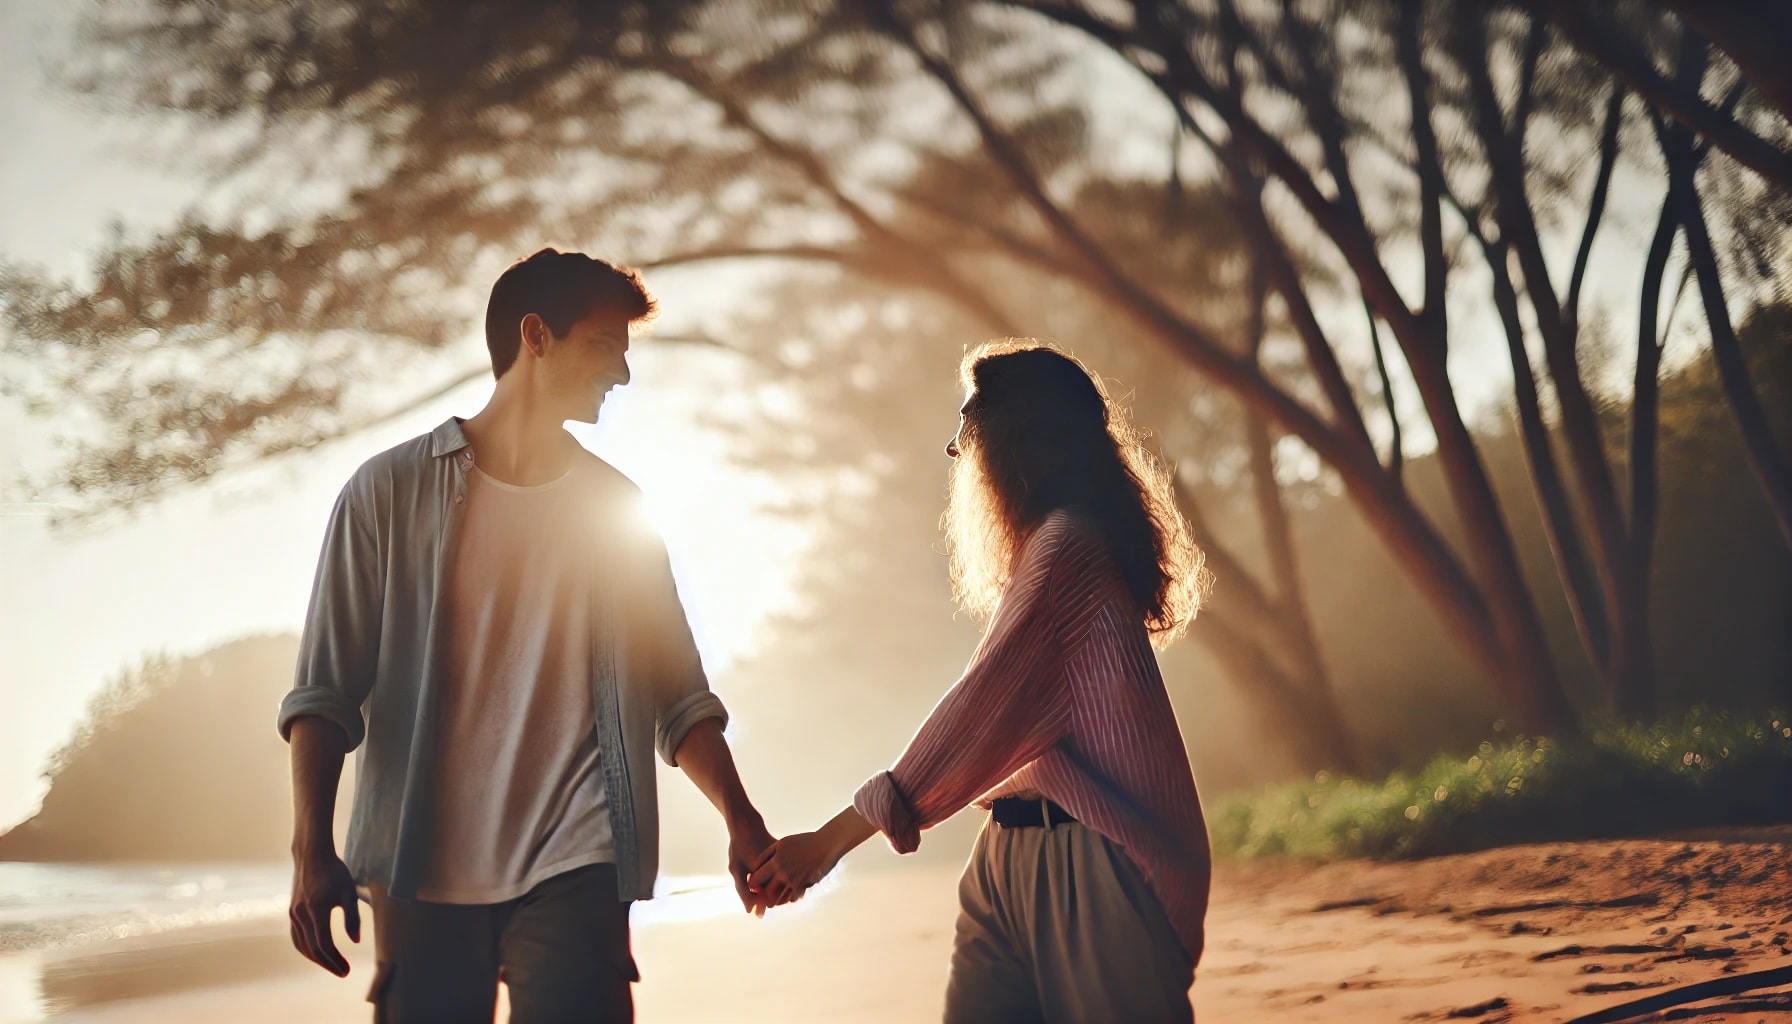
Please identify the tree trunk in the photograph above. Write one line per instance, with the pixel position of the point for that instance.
(1258, 644)
(1301, 645)
(1634, 645)
(1526, 669)
(1313, 727)
(1558, 324)
(1764, 456)
(1585, 600)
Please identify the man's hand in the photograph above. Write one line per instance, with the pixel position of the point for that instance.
(321, 883)
(747, 842)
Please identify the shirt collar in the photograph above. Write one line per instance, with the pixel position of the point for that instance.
(447, 438)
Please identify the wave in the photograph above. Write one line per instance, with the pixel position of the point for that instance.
(86, 929)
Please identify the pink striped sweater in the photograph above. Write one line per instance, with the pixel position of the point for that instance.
(1062, 699)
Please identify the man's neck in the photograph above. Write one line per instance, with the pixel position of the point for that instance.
(518, 445)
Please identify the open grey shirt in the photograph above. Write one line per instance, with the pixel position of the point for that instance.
(374, 650)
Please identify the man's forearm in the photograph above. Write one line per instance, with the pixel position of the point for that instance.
(318, 748)
(706, 759)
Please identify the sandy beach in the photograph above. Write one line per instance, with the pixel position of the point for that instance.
(1536, 933)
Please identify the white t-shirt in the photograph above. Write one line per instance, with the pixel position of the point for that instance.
(520, 794)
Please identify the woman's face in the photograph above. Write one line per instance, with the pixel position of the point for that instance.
(952, 446)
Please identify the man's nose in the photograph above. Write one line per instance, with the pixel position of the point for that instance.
(621, 373)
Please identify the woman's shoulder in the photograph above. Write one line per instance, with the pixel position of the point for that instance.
(1066, 533)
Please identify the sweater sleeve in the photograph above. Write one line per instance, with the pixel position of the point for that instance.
(1010, 706)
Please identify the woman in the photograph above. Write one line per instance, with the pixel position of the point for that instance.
(1084, 897)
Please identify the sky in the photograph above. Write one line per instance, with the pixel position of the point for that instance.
(236, 557)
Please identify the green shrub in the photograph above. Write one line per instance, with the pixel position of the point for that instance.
(1711, 768)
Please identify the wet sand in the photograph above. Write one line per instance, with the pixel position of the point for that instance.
(1536, 933)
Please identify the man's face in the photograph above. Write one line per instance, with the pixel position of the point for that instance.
(579, 368)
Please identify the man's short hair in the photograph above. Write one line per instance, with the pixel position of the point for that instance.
(562, 288)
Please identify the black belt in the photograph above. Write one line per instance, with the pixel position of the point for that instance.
(1016, 812)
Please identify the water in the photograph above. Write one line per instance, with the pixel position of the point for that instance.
(47, 910)
(54, 906)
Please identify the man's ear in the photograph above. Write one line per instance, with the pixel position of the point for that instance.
(535, 334)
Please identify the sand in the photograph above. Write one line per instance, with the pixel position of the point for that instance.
(1534, 933)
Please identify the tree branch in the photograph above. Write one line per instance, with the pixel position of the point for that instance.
(1608, 157)
(1396, 447)
(1431, 174)
(1598, 37)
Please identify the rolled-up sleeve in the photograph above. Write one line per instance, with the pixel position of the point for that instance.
(339, 649)
(674, 668)
(880, 802)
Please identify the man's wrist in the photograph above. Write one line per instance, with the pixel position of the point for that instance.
(310, 847)
(740, 815)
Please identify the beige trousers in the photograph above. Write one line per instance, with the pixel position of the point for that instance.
(1059, 925)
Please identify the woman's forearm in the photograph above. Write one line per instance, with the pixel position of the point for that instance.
(846, 830)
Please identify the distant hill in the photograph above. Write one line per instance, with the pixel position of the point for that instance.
(177, 760)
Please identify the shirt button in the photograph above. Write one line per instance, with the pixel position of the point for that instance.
(458, 498)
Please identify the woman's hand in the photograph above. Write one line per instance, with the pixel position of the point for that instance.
(791, 865)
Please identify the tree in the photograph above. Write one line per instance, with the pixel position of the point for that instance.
(701, 132)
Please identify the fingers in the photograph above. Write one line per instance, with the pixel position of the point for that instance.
(311, 933)
(351, 918)
(299, 941)
(740, 886)
(774, 884)
(767, 852)
(305, 937)
(325, 945)
(769, 867)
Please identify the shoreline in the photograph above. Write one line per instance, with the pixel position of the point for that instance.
(1535, 933)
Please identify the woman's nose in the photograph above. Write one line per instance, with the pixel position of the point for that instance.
(952, 448)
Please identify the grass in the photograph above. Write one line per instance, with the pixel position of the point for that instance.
(1707, 769)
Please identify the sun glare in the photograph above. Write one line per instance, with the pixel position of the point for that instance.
(732, 559)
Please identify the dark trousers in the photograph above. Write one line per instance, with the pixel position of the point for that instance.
(562, 950)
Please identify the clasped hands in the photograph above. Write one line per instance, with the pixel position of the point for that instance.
(782, 870)
(771, 872)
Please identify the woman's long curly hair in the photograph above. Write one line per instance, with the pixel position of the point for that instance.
(1040, 433)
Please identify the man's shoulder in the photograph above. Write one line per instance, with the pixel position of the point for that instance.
(397, 466)
(609, 480)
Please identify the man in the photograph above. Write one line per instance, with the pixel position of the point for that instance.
(506, 649)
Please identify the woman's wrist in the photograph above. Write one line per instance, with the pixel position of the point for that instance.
(847, 830)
